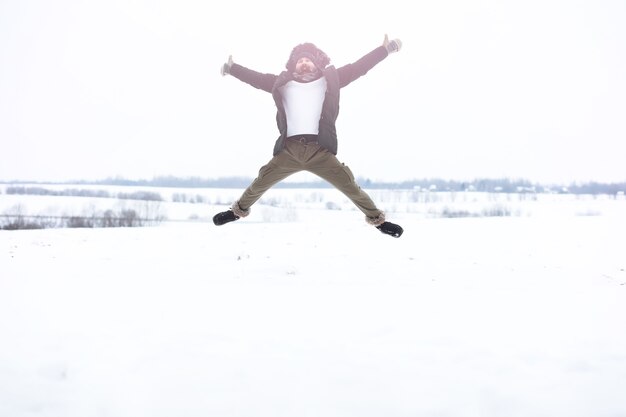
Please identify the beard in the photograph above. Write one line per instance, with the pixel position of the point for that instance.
(307, 73)
(306, 69)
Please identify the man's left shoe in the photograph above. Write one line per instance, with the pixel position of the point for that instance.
(224, 217)
(390, 229)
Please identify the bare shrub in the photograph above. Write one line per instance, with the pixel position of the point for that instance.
(108, 219)
(19, 223)
(15, 219)
(129, 218)
(496, 210)
(79, 222)
(151, 212)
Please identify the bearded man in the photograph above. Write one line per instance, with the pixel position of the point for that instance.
(306, 95)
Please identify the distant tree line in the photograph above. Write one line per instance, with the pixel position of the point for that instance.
(436, 184)
(503, 185)
(597, 188)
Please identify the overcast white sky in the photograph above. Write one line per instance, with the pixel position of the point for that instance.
(519, 89)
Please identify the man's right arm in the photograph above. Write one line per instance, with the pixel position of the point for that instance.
(256, 79)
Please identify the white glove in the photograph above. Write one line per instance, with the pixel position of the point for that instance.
(392, 46)
(226, 67)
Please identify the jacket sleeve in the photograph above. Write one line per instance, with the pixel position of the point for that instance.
(256, 79)
(351, 72)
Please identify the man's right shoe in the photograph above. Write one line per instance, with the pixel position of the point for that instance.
(224, 217)
(390, 229)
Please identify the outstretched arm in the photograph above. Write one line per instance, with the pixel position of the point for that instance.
(256, 79)
(351, 72)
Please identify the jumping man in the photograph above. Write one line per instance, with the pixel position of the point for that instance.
(306, 95)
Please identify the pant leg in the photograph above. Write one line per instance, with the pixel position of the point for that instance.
(277, 169)
(326, 165)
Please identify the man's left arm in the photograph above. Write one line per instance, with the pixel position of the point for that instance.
(351, 72)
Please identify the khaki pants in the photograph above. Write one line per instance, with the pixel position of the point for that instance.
(298, 156)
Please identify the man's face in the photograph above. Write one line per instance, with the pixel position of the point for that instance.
(304, 65)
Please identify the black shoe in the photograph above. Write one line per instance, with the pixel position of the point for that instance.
(224, 217)
(390, 229)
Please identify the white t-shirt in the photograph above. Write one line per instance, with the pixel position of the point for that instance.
(303, 106)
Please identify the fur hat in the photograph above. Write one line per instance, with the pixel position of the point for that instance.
(319, 58)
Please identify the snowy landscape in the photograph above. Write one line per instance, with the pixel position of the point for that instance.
(492, 136)
(488, 305)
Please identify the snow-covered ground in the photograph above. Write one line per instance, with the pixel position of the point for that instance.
(303, 311)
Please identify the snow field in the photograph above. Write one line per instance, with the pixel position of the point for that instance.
(318, 314)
